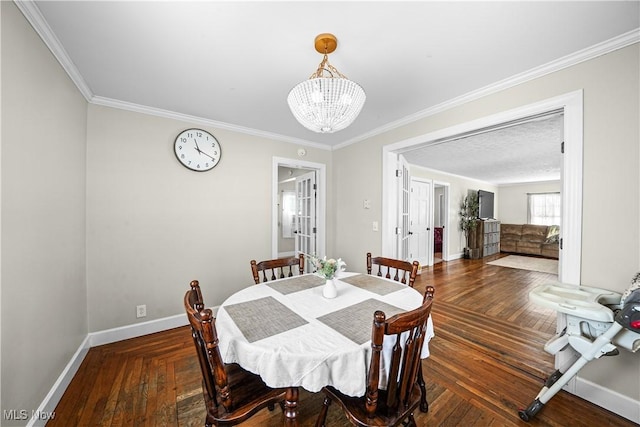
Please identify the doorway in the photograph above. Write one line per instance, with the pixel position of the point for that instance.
(571, 106)
(428, 221)
(298, 207)
(440, 221)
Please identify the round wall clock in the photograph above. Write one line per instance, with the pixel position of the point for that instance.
(197, 150)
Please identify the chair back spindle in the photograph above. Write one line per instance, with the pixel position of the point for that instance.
(403, 271)
(277, 268)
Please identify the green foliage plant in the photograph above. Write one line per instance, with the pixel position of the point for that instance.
(469, 215)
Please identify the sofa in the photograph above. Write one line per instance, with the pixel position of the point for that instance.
(530, 239)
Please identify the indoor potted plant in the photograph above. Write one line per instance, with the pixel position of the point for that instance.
(468, 222)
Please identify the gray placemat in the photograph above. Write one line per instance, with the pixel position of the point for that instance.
(355, 322)
(296, 283)
(262, 318)
(373, 284)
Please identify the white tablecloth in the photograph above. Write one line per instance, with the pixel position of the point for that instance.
(313, 354)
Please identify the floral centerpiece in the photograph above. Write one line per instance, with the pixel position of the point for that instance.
(327, 268)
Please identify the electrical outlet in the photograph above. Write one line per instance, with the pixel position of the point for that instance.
(375, 226)
(141, 310)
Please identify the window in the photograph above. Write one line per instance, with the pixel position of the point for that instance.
(288, 213)
(544, 208)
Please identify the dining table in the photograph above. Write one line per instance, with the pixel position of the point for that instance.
(287, 332)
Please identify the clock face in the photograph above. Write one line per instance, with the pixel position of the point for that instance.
(197, 150)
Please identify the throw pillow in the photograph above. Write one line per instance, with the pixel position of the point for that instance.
(553, 234)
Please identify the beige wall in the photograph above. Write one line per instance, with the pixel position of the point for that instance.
(153, 225)
(513, 203)
(356, 177)
(610, 184)
(44, 301)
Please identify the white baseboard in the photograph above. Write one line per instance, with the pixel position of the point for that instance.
(52, 398)
(608, 399)
(94, 339)
(136, 330)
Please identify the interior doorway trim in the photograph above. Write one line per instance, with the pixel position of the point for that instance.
(321, 202)
(572, 106)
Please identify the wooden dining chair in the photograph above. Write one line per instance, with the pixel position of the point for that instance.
(276, 268)
(388, 265)
(232, 395)
(402, 269)
(402, 396)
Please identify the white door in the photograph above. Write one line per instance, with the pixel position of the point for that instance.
(420, 227)
(402, 229)
(305, 233)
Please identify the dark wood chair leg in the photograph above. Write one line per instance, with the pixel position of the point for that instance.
(322, 416)
(424, 405)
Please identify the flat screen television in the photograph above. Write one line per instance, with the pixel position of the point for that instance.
(485, 201)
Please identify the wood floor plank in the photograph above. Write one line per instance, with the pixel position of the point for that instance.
(146, 419)
(487, 361)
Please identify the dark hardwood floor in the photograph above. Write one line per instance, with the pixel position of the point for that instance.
(487, 360)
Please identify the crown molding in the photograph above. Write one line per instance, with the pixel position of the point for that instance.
(129, 106)
(30, 11)
(575, 58)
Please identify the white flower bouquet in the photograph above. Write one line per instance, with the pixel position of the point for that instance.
(327, 268)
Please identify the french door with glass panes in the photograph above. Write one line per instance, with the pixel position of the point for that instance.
(402, 230)
(305, 233)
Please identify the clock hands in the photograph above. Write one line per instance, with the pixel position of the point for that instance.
(212, 158)
(197, 148)
(202, 152)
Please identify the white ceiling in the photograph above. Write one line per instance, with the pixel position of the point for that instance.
(231, 64)
(529, 151)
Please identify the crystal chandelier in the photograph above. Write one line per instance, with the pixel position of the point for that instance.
(327, 102)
